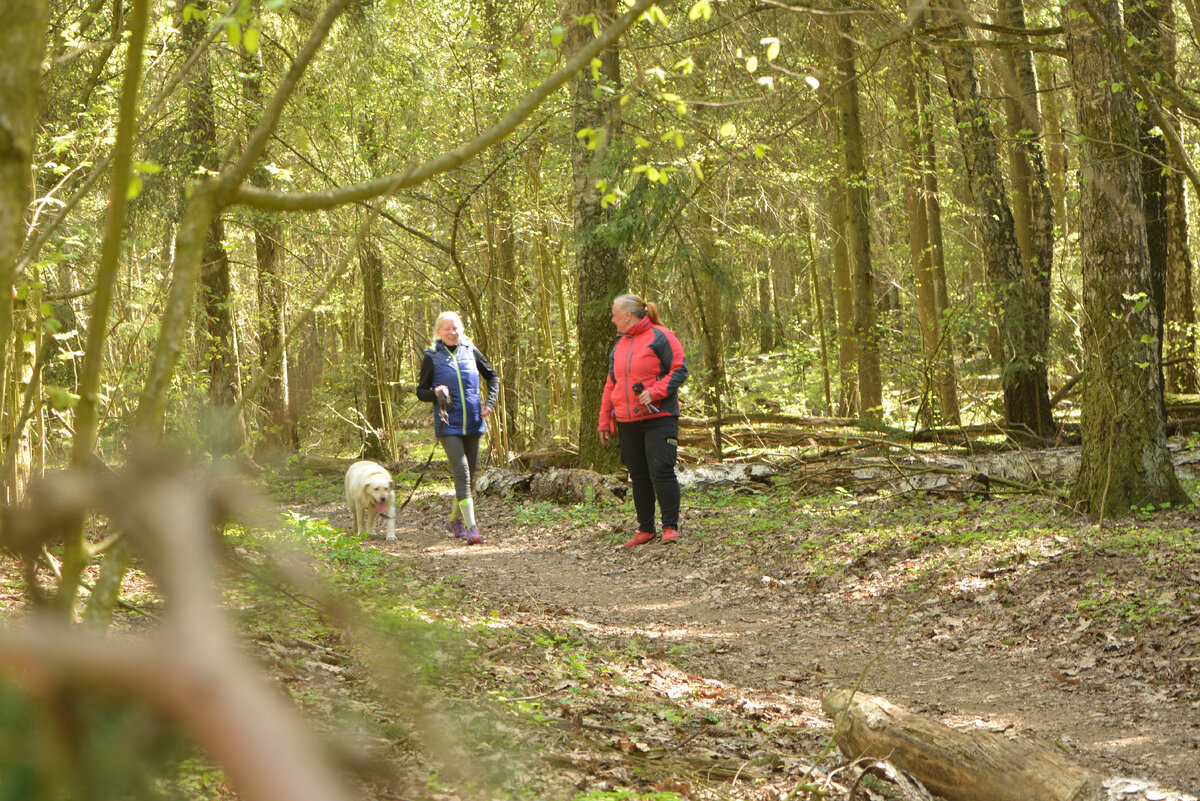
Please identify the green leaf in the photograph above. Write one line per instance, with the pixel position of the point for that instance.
(728, 130)
(233, 32)
(752, 64)
(1148, 339)
(701, 9)
(60, 398)
(772, 47)
(760, 151)
(685, 66)
(641, 141)
(250, 41)
(135, 187)
(148, 167)
(556, 36)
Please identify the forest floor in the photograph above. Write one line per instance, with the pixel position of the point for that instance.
(675, 668)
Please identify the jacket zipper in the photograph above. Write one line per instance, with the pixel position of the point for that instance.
(462, 393)
(634, 409)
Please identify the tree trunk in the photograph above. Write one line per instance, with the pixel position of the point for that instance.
(1016, 291)
(947, 374)
(766, 321)
(600, 264)
(844, 295)
(376, 441)
(23, 39)
(275, 435)
(1125, 461)
(956, 765)
(1143, 19)
(226, 427)
(1056, 141)
(818, 307)
(1154, 25)
(1037, 253)
(1179, 346)
(506, 293)
(920, 252)
(870, 382)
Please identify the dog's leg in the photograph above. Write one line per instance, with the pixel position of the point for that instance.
(391, 518)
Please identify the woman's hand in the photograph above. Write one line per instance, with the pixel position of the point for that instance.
(442, 389)
(485, 412)
(645, 398)
(605, 436)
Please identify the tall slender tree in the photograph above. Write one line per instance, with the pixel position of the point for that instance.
(22, 37)
(1018, 288)
(227, 430)
(858, 215)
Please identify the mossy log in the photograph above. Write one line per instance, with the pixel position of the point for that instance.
(957, 765)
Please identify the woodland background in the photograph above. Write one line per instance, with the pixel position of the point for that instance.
(228, 229)
(900, 203)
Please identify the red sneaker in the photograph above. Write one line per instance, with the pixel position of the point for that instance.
(670, 534)
(641, 538)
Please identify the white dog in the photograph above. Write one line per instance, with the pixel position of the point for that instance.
(370, 493)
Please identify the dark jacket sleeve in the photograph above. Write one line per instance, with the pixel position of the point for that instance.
(673, 365)
(489, 374)
(425, 383)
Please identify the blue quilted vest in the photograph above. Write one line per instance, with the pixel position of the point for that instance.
(458, 372)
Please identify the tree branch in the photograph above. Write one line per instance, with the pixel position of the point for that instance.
(416, 174)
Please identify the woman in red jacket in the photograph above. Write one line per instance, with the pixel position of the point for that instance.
(645, 370)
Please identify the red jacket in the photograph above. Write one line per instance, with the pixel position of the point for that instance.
(652, 355)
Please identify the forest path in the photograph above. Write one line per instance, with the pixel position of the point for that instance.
(996, 648)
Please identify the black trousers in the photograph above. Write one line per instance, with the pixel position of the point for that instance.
(648, 448)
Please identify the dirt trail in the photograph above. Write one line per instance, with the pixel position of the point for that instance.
(991, 654)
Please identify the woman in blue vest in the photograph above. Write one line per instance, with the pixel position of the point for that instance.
(450, 376)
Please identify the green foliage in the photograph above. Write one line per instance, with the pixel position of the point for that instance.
(113, 751)
(623, 794)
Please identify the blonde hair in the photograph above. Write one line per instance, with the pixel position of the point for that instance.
(640, 308)
(458, 323)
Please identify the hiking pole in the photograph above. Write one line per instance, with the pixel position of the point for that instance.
(639, 388)
(420, 478)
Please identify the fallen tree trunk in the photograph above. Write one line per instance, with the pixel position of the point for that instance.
(957, 765)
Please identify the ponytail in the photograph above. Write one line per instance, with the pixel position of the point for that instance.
(639, 307)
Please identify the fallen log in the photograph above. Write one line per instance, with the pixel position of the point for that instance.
(556, 484)
(956, 765)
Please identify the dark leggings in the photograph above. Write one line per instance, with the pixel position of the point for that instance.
(648, 449)
(463, 454)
